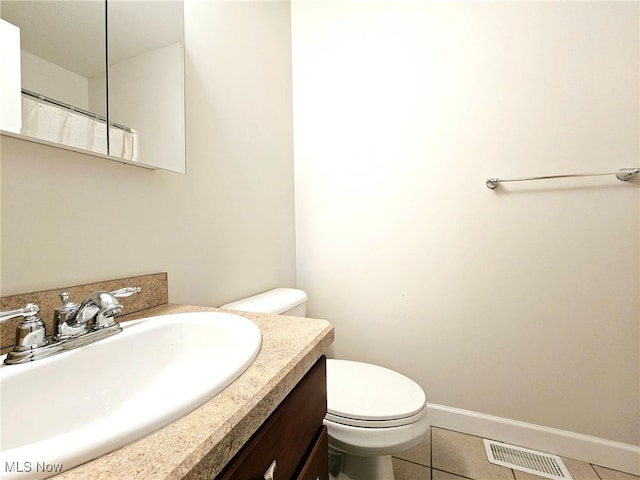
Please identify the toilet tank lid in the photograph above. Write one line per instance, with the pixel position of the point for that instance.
(274, 301)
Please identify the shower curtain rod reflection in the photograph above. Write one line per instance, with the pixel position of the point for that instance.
(623, 174)
(44, 98)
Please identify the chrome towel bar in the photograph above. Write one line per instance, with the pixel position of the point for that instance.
(623, 174)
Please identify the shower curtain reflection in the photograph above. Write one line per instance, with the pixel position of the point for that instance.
(50, 121)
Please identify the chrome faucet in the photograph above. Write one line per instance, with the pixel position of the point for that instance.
(96, 312)
(75, 325)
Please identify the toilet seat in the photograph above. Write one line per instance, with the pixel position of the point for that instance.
(365, 395)
(355, 422)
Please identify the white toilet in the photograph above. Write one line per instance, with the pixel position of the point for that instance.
(372, 412)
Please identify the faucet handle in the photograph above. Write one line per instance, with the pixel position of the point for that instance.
(30, 332)
(125, 292)
(29, 312)
(110, 307)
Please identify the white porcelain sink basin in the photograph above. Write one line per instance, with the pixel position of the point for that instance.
(70, 408)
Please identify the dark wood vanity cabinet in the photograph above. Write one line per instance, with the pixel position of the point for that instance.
(292, 443)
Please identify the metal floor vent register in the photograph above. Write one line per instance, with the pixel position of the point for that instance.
(525, 460)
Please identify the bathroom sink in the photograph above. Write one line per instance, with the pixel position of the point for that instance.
(70, 408)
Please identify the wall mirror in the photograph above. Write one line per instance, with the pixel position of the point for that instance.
(84, 63)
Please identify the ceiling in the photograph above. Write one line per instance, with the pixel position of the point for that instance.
(71, 33)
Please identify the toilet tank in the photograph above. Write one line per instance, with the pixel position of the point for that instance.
(279, 301)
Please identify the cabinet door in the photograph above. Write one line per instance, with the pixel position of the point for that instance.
(281, 444)
(317, 465)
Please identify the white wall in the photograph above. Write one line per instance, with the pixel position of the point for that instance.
(521, 302)
(223, 230)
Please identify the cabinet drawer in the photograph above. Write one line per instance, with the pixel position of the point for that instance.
(317, 465)
(287, 434)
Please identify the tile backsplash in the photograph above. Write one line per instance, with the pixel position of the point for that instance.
(154, 292)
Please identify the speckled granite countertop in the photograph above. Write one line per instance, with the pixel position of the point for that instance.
(201, 443)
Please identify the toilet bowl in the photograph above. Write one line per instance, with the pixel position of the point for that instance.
(372, 412)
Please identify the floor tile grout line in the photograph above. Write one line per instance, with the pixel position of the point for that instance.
(451, 473)
(593, 465)
(411, 462)
(431, 449)
(595, 471)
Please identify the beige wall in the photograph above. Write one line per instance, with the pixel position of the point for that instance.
(521, 302)
(223, 230)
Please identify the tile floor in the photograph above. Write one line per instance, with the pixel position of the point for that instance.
(448, 455)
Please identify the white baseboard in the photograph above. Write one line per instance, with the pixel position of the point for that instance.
(598, 451)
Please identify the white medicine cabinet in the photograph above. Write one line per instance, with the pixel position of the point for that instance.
(72, 67)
